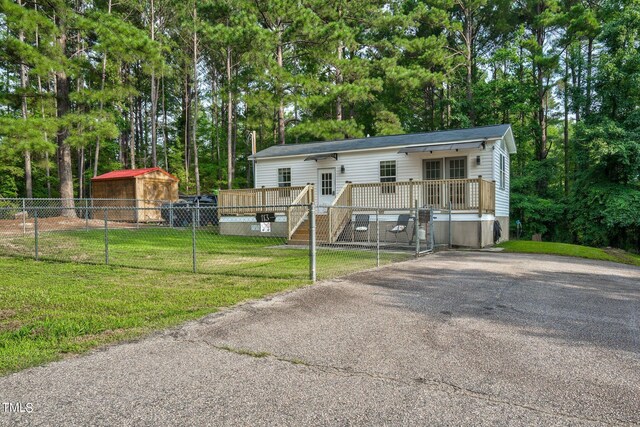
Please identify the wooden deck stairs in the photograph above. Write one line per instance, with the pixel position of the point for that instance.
(301, 235)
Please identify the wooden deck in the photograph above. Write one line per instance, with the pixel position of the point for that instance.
(475, 195)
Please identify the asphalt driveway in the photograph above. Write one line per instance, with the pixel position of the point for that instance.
(460, 338)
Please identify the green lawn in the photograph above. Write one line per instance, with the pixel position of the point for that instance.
(50, 308)
(531, 247)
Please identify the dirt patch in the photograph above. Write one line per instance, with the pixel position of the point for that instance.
(99, 337)
(7, 313)
(16, 227)
(622, 256)
(11, 326)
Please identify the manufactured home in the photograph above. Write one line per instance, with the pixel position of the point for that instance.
(464, 172)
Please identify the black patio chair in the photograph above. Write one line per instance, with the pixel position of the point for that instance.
(401, 226)
(361, 225)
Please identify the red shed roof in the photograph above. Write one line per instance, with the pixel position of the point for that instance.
(129, 173)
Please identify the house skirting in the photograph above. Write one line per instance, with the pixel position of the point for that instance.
(248, 226)
(504, 223)
(468, 230)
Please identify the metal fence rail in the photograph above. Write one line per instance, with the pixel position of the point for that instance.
(214, 240)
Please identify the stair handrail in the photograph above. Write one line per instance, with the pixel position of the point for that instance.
(298, 212)
(337, 219)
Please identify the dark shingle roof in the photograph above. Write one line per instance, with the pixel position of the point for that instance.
(478, 133)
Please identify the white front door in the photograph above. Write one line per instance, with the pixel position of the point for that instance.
(326, 186)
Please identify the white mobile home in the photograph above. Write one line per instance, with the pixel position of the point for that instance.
(465, 170)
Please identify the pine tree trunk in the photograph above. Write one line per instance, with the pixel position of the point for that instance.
(132, 134)
(339, 81)
(81, 172)
(587, 109)
(46, 138)
(65, 171)
(48, 172)
(566, 123)
(164, 127)
(187, 112)
(195, 101)
(468, 31)
(215, 140)
(280, 92)
(102, 81)
(230, 145)
(154, 98)
(28, 181)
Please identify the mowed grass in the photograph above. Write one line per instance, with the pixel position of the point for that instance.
(551, 248)
(172, 250)
(49, 309)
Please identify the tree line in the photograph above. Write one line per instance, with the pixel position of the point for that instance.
(89, 86)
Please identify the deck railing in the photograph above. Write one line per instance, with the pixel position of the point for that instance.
(339, 217)
(234, 201)
(475, 194)
(298, 213)
(466, 195)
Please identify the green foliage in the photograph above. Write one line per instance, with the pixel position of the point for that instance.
(347, 69)
(8, 186)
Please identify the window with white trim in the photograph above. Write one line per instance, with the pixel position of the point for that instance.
(503, 171)
(284, 177)
(432, 169)
(388, 174)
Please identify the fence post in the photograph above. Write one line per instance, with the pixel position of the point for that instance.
(377, 237)
(86, 214)
(450, 237)
(416, 230)
(137, 214)
(431, 231)
(106, 238)
(312, 243)
(24, 219)
(171, 214)
(193, 237)
(35, 230)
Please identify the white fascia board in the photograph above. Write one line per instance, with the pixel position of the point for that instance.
(382, 148)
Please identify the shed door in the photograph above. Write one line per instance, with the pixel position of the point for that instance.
(326, 186)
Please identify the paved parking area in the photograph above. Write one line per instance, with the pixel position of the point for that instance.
(456, 338)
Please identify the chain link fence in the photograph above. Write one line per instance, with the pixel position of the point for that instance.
(292, 241)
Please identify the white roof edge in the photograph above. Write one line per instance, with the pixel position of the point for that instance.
(510, 140)
(495, 138)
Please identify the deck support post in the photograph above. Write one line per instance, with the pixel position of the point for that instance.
(411, 191)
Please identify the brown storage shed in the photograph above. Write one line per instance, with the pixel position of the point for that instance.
(136, 189)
